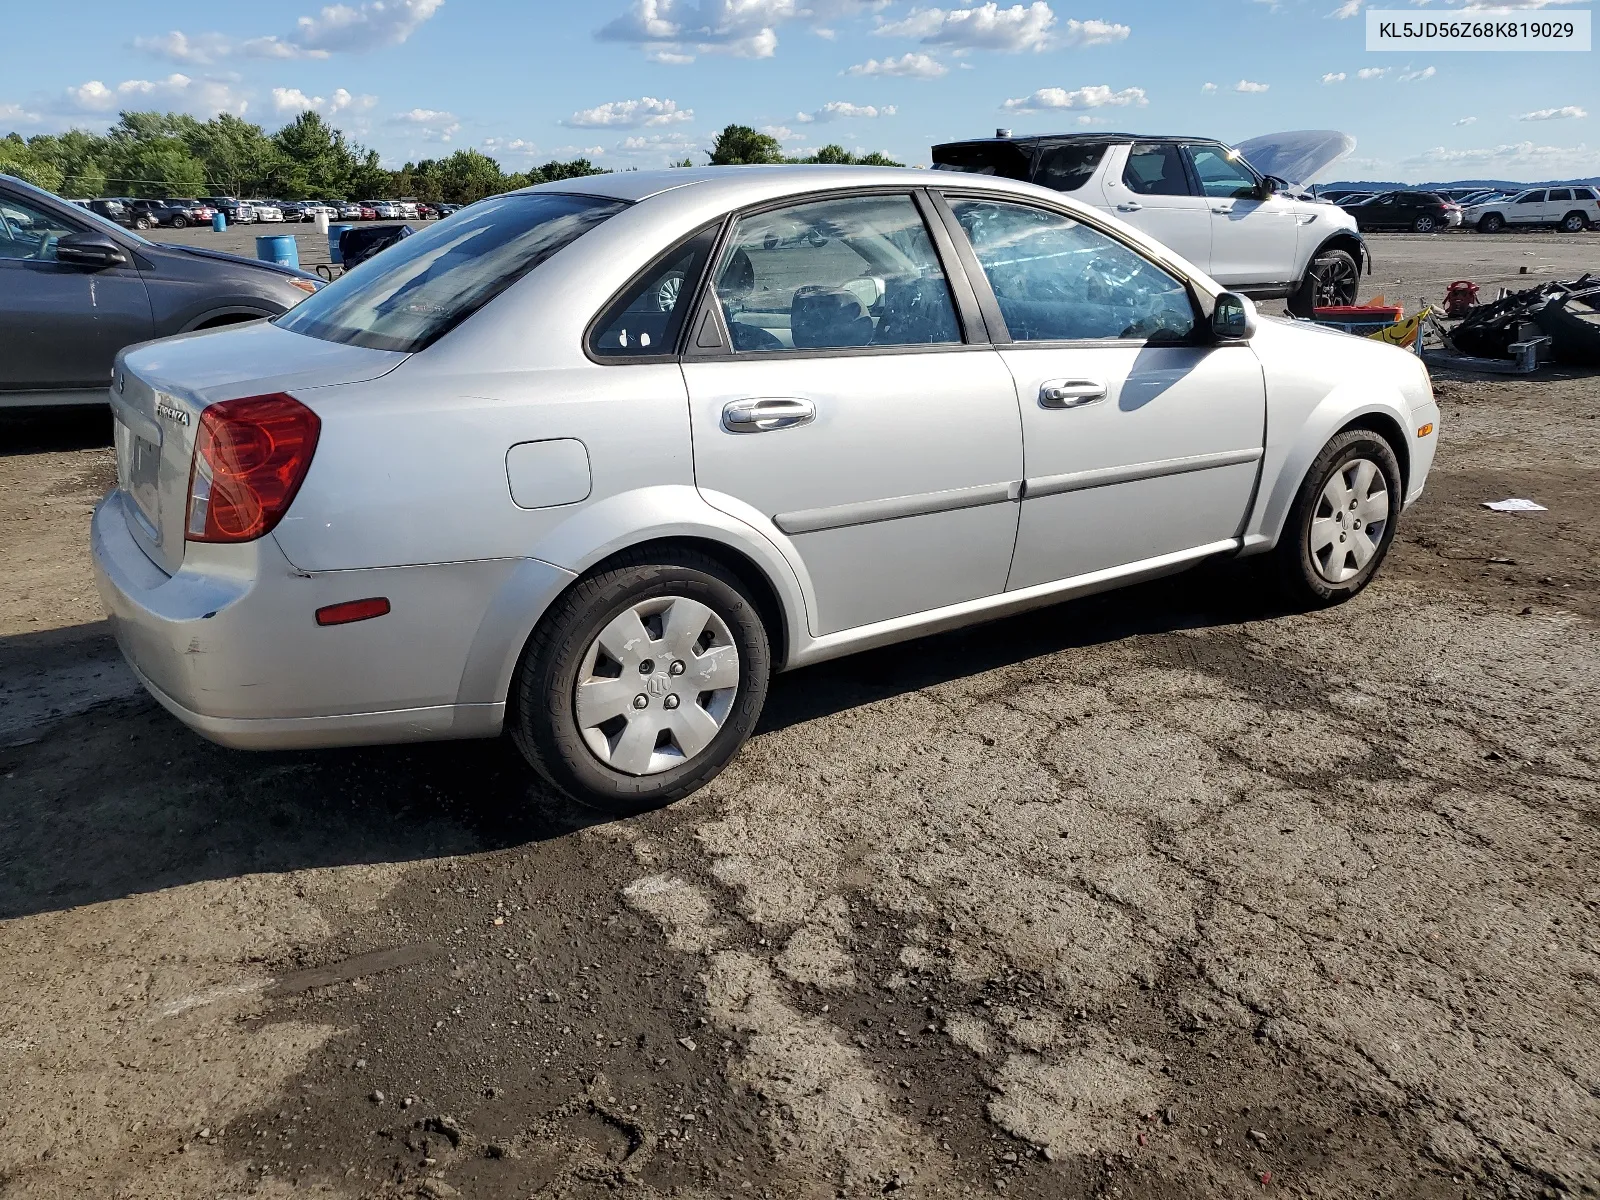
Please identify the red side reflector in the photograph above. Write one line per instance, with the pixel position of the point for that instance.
(353, 610)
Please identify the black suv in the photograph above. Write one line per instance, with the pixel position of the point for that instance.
(1420, 212)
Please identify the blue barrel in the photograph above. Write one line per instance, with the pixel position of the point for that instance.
(219, 222)
(278, 248)
(335, 232)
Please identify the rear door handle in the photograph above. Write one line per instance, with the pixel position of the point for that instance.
(1129, 206)
(1070, 393)
(761, 414)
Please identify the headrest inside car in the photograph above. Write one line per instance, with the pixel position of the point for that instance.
(828, 316)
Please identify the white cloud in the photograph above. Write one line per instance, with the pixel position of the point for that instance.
(176, 46)
(843, 110)
(338, 28)
(674, 31)
(1466, 121)
(1334, 77)
(1350, 8)
(1372, 72)
(985, 27)
(911, 66)
(629, 114)
(293, 100)
(1511, 159)
(675, 144)
(1207, 88)
(1413, 76)
(202, 97)
(503, 146)
(1094, 33)
(1094, 96)
(1246, 85)
(782, 132)
(435, 125)
(1568, 112)
(17, 114)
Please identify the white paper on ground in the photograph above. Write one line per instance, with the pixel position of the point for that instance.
(1514, 506)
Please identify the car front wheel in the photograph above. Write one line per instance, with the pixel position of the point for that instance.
(642, 682)
(1342, 522)
(1331, 279)
(1491, 223)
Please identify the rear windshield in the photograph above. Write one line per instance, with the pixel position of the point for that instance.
(1006, 159)
(410, 295)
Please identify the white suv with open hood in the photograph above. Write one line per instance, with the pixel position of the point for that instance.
(1200, 198)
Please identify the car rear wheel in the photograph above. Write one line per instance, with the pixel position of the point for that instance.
(1491, 223)
(1574, 222)
(141, 222)
(1331, 279)
(1425, 223)
(642, 682)
(1342, 522)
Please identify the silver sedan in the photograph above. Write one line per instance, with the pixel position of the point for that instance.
(589, 462)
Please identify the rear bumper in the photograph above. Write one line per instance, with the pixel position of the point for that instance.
(230, 644)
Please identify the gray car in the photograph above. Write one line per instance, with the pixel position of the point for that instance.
(589, 462)
(75, 289)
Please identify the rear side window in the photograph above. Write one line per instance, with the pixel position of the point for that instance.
(834, 274)
(1561, 194)
(1155, 169)
(1005, 159)
(419, 289)
(1068, 168)
(646, 318)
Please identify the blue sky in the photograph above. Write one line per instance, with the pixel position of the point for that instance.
(641, 82)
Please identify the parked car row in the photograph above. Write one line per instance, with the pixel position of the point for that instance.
(144, 213)
(1571, 209)
(1420, 212)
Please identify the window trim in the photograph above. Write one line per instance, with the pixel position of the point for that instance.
(1195, 192)
(1199, 336)
(974, 337)
(675, 352)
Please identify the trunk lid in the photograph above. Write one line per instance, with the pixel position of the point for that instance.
(159, 389)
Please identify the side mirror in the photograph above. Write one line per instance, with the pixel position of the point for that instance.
(92, 250)
(1233, 319)
(1271, 185)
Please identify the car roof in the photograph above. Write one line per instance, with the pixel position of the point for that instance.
(1088, 138)
(751, 184)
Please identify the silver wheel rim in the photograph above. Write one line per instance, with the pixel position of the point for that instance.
(667, 292)
(656, 685)
(1350, 519)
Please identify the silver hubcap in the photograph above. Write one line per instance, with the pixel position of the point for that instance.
(1352, 513)
(656, 685)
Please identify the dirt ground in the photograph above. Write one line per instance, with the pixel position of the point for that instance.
(1160, 894)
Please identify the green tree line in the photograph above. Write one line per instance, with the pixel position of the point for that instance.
(173, 154)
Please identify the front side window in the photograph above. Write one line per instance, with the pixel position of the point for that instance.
(646, 318)
(420, 288)
(29, 232)
(1223, 174)
(1067, 168)
(833, 274)
(1155, 169)
(1531, 198)
(1057, 279)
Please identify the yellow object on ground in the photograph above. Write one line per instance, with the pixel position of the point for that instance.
(1401, 333)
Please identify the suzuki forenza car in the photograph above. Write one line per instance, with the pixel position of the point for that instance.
(589, 462)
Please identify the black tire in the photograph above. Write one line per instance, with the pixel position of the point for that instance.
(1298, 577)
(1574, 222)
(1332, 278)
(141, 222)
(180, 222)
(543, 721)
(1425, 223)
(1491, 223)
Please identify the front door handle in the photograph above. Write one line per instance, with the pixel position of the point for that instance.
(1070, 393)
(1222, 208)
(761, 414)
(1129, 206)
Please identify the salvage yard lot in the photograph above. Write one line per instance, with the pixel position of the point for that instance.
(1163, 893)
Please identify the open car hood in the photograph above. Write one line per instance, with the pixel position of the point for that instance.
(1298, 155)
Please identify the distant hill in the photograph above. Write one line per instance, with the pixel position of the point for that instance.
(1504, 185)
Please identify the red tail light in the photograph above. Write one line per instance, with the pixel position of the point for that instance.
(250, 457)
